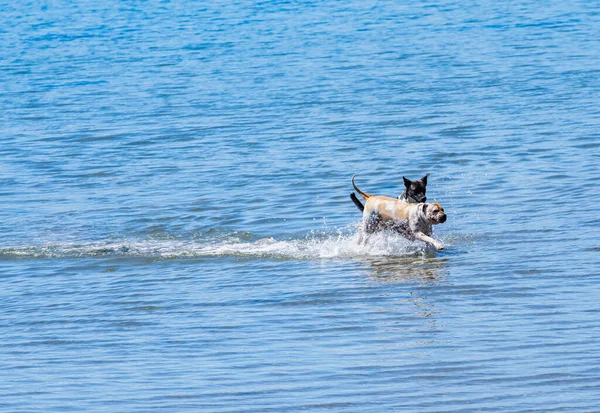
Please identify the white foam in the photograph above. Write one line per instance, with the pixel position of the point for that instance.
(332, 246)
(313, 246)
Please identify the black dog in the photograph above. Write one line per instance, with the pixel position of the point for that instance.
(413, 194)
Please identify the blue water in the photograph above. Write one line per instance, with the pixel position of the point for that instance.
(176, 231)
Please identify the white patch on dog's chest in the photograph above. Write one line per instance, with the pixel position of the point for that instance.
(426, 225)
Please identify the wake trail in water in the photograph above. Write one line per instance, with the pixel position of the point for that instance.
(314, 246)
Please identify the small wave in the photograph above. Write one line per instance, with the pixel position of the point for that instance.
(313, 246)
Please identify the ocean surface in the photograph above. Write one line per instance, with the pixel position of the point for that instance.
(176, 233)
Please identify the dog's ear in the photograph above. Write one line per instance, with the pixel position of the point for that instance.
(407, 182)
(424, 179)
(424, 206)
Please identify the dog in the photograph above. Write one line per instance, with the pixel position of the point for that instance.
(413, 221)
(414, 192)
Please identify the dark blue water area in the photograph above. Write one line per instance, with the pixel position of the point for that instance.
(176, 228)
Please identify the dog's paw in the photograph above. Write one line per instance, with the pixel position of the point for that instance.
(438, 246)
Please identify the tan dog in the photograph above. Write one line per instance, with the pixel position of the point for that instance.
(413, 221)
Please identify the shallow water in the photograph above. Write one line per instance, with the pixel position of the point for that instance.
(177, 233)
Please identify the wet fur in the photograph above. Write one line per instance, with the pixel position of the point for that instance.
(411, 220)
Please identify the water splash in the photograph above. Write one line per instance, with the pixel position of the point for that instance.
(313, 246)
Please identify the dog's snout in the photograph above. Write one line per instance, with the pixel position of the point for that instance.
(424, 199)
(443, 218)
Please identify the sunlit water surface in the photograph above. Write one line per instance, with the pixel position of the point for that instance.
(177, 234)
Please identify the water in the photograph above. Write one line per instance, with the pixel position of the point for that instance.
(177, 234)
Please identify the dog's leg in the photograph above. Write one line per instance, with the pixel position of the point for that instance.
(427, 239)
(370, 225)
(363, 239)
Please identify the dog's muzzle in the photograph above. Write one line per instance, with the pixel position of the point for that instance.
(442, 219)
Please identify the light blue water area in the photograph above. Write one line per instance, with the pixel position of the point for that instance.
(176, 228)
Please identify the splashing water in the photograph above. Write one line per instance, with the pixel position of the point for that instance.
(313, 246)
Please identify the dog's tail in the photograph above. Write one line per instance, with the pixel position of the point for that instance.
(357, 202)
(361, 193)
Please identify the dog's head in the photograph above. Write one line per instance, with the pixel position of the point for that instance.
(435, 213)
(415, 190)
